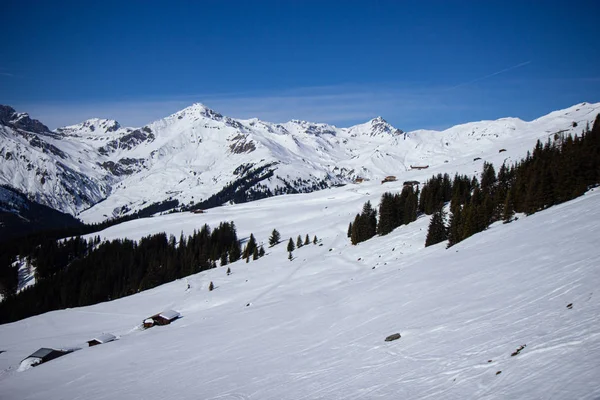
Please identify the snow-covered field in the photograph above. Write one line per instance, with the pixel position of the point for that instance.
(314, 327)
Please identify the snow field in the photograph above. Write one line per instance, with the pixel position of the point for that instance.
(315, 326)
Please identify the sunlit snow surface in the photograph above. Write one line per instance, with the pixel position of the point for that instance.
(315, 326)
(194, 153)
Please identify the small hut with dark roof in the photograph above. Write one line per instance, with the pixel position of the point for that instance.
(44, 355)
(101, 339)
(164, 318)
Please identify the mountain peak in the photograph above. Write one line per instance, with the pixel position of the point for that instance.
(9, 117)
(198, 109)
(378, 120)
(375, 127)
(92, 126)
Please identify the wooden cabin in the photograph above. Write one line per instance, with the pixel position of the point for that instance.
(389, 178)
(101, 339)
(419, 166)
(359, 180)
(44, 355)
(164, 318)
(198, 211)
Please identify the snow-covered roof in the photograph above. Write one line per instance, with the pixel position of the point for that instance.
(104, 338)
(41, 353)
(169, 314)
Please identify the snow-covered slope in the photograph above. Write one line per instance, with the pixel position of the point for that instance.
(98, 169)
(52, 171)
(315, 326)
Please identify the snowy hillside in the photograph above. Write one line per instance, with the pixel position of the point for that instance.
(98, 169)
(51, 171)
(314, 327)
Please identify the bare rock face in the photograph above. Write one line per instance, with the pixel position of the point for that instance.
(9, 117)
(128, 141)
(393, 337)
(241, 144)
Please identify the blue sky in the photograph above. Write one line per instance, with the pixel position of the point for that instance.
(429, 64)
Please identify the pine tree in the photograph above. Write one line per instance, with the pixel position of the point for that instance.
(488, 177)
(437, 231)
(234, 252)
(299, 242)
(250, 247)
(211, 287)
(487, 211)
(255, 254)
(275, 238)
(455, 228)
(410, 205)
(350, 229)
(354, 235)
(290, 256)
(387, 214)
(223, 259)
(315, 240)
(261, 251)
(290, 246)
(368, 222)
(228, 271)
(306, 240)
(509, 210)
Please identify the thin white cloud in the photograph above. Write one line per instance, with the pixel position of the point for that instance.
(6, 74)
(342, 105)
(491, 75)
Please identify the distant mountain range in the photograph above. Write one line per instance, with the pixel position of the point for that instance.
(98, 170)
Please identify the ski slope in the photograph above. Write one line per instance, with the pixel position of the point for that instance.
(314, 327)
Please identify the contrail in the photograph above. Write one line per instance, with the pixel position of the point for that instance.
(490, 75)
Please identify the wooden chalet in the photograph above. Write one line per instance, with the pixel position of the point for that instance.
(101, 339)
(164, 318)
(419, 166)
(198, 211)
(390, 178)
(44, 355)
(359, 180)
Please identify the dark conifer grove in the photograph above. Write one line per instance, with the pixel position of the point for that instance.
(78, 272)
(559, 170)
(437, 232)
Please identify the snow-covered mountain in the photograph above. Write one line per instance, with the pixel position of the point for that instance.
(98, 170)
(314, 327)
(50, 169)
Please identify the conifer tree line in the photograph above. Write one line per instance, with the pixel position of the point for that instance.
(78, 272)
(394, 210)
(560, 170)
(438, 191)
